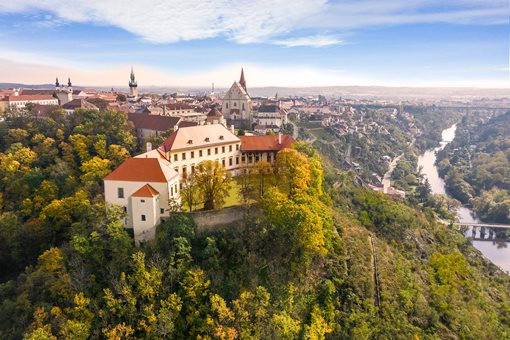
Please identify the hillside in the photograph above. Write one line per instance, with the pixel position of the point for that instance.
(327, 259)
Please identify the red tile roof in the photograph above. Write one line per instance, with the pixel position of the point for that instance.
(139, 170)
(29, 97)
(146, 191)
(153, 122)
(265, 143)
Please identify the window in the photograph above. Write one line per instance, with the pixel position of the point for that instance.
(125, 209)
(199, 153)
(184, 155)
(243, 106)
(193, 168)
(161, 210)
(176, 169)
(143, 201)
(242, 159)
(235, 104)
(237, 160)
(176, 157)
(230, 161)
(192, 154)
(223, 162)
(222, 149)
(221, 138)
(237, 147)
(120, 192)
(143, 217)
(190, 141)
(184, 171)
(257, 158)
(227, 106)
(230, 148)
(250, 158)
(171, 191)
(208, 152)
(207, 139)
(269, 157)
(215, 151)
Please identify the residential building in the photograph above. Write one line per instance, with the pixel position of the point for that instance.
(75, 104)
(19, 102)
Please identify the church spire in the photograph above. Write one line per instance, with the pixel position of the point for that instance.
(69, 82)
(242, 81)
(57, 84)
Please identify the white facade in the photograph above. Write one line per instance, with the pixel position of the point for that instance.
(237, 103)
(145, 207)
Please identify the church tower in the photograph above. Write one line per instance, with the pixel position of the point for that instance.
(237, 104)
(57, 84)
(133, 86)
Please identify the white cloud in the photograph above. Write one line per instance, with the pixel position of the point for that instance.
(169, 21)
(248, 21)
(311, 41)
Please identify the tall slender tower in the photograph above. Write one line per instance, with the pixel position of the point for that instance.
(133, 85)
(57, 84)
(242, 81)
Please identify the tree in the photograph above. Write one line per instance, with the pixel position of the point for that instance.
(292, 171)
(190, 194)
(214, 182)
(263, 175)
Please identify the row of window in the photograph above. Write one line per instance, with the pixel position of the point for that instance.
(201, 152)
(235, 105)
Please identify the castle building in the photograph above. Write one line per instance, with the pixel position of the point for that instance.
(146, 185)
(237, 104)
(133, 86)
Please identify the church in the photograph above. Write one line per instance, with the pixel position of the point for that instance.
(237, 105)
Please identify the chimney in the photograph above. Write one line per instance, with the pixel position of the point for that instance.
(232, 128)
(279, 138)
(149, 146)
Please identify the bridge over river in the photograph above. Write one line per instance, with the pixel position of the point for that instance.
(486, 231)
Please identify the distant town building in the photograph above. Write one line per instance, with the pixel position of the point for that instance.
(269, 116)
(74, 104)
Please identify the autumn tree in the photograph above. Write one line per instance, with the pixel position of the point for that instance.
(213, 182)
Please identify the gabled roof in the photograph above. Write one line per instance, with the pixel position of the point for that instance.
(142, 170)
(198, 136)
(33, 92)
(214, 113)
(153, 122)
(266, 143)
(146, 191)
(79, 103)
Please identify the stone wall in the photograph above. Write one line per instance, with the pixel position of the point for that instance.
(231, 217)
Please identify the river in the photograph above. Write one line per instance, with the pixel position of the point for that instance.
(497, 252)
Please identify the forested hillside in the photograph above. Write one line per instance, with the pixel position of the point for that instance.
(476, 166)
(327, 259)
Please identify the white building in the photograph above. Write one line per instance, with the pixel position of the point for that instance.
(145, 189)
(188, 146)
(269, 116)
(19, 102)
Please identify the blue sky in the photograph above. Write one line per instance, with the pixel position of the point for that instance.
(278, 42)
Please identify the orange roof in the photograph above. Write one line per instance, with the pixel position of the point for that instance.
(142, 170)
(265, 143)
(146, 191)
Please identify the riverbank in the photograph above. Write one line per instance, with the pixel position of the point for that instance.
(497, 252)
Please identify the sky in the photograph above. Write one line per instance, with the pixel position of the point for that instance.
(193, 43)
